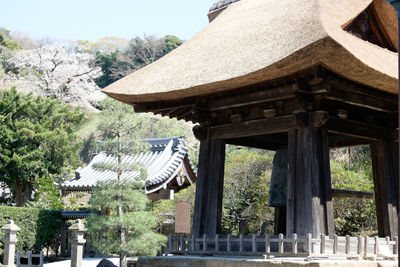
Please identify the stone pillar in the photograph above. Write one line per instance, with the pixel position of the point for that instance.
(309, 193)
(77, 242)
(384, 157)
(209, 188)
(10, 239)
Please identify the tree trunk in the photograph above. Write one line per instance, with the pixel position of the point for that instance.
(122, 256)
(122, 260)
(23, 193)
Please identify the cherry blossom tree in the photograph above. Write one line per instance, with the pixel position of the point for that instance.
(55, 71)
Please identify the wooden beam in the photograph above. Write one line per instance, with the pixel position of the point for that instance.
(253, 128)
(337, 141)
(270, 95)
(361, 100)
(357, 129)
(367, 92)
(266, 126)
(341, 193)
(249, 142)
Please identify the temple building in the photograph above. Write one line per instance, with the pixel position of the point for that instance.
(167, 162)
(297, 75)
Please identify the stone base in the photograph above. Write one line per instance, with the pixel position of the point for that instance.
(193, 261)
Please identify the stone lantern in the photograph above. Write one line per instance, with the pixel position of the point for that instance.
(77, 241)
(10, 239)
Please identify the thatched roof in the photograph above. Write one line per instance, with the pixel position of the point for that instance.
(260, 40)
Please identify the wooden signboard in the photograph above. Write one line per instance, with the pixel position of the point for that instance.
(182, 217)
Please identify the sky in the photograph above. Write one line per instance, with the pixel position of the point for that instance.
(93, 19)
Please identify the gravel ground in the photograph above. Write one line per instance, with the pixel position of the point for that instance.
(87, 262)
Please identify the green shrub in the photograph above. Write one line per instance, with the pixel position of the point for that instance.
(39, 228)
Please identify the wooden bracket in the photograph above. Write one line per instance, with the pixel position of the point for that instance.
(200, 132)
(269, 113)
(236, 118)
(319, 118)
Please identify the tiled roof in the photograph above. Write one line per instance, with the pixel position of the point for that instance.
(163, 162)
(222, 3)
(77, 214)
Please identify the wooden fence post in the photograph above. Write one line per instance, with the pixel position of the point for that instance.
(29, 258)
(217, 242)
(309, 244)
(204, 242)
(193, 243)
(294, 243)
(241, 243)
(41, 258)
(376, 245)
(229, 243)
(335, 244)
(359, 245)
(182, 242)
(267, 244)
(322, 245)
(347, 248)
(254, 243)
(170, 242)
(18, 258)
(281, 243)
(366, 244)
(396, 245)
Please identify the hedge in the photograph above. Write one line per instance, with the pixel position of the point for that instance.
(39, 228)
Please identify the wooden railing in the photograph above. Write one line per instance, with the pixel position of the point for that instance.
(293, 246)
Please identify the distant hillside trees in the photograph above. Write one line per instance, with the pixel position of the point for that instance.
(36, 141)
(105, 45)
(6, 42)
(140, 52)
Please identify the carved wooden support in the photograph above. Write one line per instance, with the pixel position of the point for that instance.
(200, 132)
(318, 118)
(236, 118)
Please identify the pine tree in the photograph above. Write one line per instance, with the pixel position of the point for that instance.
(126, 227)
(126, 224)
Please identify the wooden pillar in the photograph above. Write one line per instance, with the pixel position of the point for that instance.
(384, 157)
(209, 188)
(309, 195)
(63, 238)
